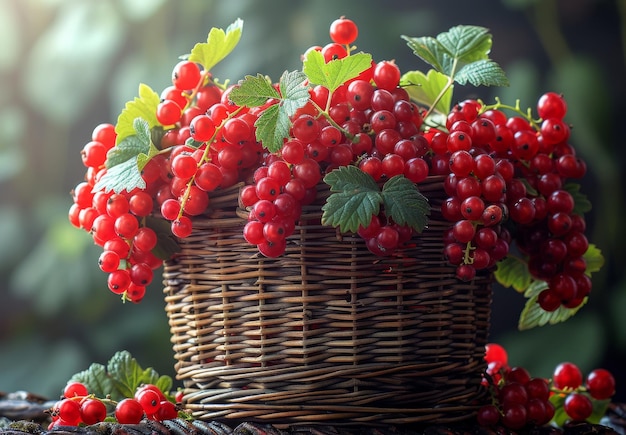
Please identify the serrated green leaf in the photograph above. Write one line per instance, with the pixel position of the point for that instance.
(253, 91)
(218, 45)
(462, 53)
(126, 160)
(294, 92)
(144, 106)
(513, 272)
(272, 127)
(482, 72)
(429, 50)
(535, 288)
(96, 380)
(126, 150)
(122, 177)
(355, 200)
(336, 72)
(582, 204)
(466, 43)
(593, 259)
(350, 178)
(404, 203)
(533, 315)
(125, 373)
(424, 89)
(350, 210)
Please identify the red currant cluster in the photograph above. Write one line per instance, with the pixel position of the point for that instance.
(177, 180)
(369, 121)
(114, 220)
(513, 171)
(78, 406)
(505, 176)
(520, 400)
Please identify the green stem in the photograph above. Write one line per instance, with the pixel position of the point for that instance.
(330, 120)
(535, 123)
(205, 158)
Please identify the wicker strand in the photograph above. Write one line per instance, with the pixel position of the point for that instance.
(328, 332)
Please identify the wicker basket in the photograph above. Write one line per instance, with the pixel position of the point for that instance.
(328, 332)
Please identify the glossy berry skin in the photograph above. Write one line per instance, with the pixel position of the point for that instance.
(600, 384)
(343, 31)
(387, 75)
(92, 411)
(578, 406)
(129, 411)
(186, 75)
(567, 375)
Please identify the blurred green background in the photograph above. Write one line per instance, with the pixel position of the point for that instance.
(67, 65)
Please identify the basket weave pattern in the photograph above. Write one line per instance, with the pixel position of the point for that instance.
(328, 332)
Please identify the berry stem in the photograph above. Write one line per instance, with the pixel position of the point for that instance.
(332, 122)
(517, 109)
(205, 158)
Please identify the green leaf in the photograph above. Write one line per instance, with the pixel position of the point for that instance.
(165, 383)
(560, 416)
(535, 288)
(513, 272)
(582, 204)
(253, 91)
(218, 45)
(467, 43)
(533, 315)
(126, 160)
(274, 123)
(122, 177)
(347, 178)
(121, 377)
(272, 127)
(424, 89)
(125, 373)
(482, 72)
(404, 203)
(461, 53)
(144, 106)
(294, 92)
(350, 210)
(599, 410)
(95, 379)
(593, 258)
(355, 200)
(336, 72)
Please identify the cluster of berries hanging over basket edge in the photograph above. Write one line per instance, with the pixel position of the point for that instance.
(506, 174)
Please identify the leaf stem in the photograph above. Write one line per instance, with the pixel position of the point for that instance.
(441, 94)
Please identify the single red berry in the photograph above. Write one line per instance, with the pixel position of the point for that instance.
(567, 375)
(129, 411)
(92, 411)
(578, 406)
(601, 384)
(343, 31)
